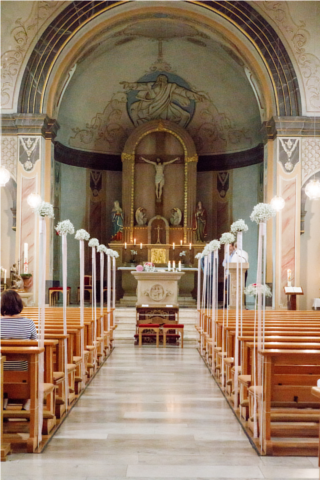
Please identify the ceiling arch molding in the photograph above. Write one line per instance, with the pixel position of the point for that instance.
(249, 23)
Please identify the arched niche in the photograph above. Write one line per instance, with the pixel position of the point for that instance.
(166, 226)
(190, 159)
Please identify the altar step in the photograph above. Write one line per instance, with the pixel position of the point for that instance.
(125, 318)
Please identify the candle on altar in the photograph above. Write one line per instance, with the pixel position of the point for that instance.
(169, 266)
(140, 246)
(173, 246)
(289, 277)
(134, 242)
(189, 246)
(25, 261)
(125, 246)
(179, 265)
(173, 265)
(181, 243)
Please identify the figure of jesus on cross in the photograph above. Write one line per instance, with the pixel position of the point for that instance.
(159, 178)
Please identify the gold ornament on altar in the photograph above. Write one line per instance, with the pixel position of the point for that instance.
(158, 255)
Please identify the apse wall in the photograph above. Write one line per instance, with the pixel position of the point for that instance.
(8, 236)
(310, 255)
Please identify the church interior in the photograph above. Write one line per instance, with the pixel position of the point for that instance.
(160, 187)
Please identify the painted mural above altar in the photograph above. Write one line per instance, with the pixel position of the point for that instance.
(160, 69)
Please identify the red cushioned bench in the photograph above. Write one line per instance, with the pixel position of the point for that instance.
(149, 326)
(167, 327)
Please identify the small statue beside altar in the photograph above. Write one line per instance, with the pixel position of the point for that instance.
(176, 216)
(141, 217)
(117, 222)
(200, 223)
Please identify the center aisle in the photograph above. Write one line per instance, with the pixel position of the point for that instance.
(154, 414)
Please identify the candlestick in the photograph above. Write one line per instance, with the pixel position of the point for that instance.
(25, 262)
(181, 243)
(189, 246)
(173, 265)
(134, 242)
(173, 246)
(140, 246)
(125, 246)
(169, 266)
(179, 265)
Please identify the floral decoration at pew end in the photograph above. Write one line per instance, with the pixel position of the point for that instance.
(239, 226)
(64, 227)
(82, 235)
(44, 209)
(262, 213)
(227, 238)
(198, 256)
(93, 242)
(253, 289)
(103, 249)
(114, 254)
(214, 245)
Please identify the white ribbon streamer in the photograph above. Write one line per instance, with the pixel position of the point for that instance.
(41, 325)
(81, 247)
(109, 291)
(65, 330)
(101, 291)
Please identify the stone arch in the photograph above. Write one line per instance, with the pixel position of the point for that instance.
(55, 41)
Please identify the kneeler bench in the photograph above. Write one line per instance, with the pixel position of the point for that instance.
(149, 326)
(167, 327)
(53, 291)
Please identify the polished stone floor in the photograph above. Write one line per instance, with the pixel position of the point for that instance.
(153, 414)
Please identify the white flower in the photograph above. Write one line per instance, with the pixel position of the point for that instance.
(262, 213)
(239, 226)
(253, 289)
(82, 235)
(199, 255)
(133, 252)
(214, 245)
(227, 238)
(115, 254)
(93, 242)
(44, 209)
(182, 254)
(102, 248)
(64, 227)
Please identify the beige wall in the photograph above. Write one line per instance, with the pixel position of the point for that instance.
(310, 255)
(8, 236)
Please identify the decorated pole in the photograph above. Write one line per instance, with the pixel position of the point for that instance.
(260, 214)
(43, 209)
(94, 243)
(82, 236)
(213, 249)
(115, 255)
(198, 257)
(63, 228)
(225, 239)
(103, 250)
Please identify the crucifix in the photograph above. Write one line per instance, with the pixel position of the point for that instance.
(158, 228)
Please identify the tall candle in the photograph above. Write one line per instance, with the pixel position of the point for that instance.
(125, 246)
(173, 265)
(173, 246)
(25, 262)
(134, 242)
(189, 246)
(140, 246)
(181, 243)
(179, 265)
(169, 266)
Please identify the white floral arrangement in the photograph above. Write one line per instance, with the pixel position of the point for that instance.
(44, 209)
(205, 251)
(227, 238)
(93, 242)
(239, 226)
(115, 254)
(182, 254)
(82, 235)
(64, 227)
(214, 245)
(133, 252)
(262, 213)
(102, 248)
(198, 256)
(253, 289)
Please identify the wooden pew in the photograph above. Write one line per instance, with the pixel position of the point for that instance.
(5, 447)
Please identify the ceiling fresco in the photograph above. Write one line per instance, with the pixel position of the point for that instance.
(160, 68)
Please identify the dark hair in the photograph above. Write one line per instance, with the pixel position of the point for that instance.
(11, 303)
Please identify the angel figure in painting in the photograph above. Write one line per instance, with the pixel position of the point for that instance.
(159, 178)
(200, 223)
(117, 222)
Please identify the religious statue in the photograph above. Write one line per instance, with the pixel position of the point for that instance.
(161, 99)
(117, 222)
(176, 216)
(141, 217)
(17, 281)
(200, 223)
(159, 178)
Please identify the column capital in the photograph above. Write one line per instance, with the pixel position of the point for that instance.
(290, 127)
(29, 124)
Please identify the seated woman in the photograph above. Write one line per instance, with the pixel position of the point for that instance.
(15, 326)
